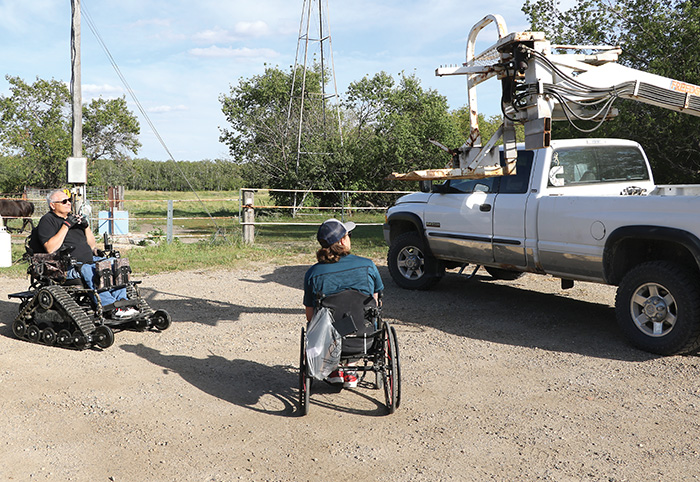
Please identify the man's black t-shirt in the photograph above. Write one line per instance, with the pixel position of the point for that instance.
(48, 226)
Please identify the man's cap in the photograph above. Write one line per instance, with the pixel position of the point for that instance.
(332, 231)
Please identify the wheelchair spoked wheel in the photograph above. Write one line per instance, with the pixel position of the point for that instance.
(304, 379)
(391, 379)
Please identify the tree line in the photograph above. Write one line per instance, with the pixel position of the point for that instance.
(386, 122)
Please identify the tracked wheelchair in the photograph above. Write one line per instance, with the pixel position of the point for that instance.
(368, 343)
(63, 312)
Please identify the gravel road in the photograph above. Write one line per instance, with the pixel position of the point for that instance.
(504, 381)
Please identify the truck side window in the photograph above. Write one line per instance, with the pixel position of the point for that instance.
(520, 181)
(467, 186)
(587, 164)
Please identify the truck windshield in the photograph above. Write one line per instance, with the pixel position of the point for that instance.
(594, 164)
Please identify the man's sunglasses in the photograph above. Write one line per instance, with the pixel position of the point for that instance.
(63, 201)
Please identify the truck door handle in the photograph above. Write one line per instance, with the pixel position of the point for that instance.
(484, 208)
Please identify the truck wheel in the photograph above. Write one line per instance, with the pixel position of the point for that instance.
(409, 266)
(504, 274)
(658, 308)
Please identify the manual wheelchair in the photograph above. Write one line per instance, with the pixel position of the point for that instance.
(368, 341)
(63, 312)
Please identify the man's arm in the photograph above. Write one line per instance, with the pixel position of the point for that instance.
(91, 239)
(57, 239)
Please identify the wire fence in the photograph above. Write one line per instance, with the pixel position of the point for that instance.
(203, 217)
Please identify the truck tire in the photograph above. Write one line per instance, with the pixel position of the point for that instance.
(409, 266)
(504, 274)
(658, 308)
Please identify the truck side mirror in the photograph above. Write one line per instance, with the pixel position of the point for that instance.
(425, 186)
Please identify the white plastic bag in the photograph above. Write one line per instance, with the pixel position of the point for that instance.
(323, 345)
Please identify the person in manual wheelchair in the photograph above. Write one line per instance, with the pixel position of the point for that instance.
(350, 287)
(61, 228)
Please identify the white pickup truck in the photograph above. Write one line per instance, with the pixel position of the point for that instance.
(582, 209)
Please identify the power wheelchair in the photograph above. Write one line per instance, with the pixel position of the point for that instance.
(368, 341)
(57, 311)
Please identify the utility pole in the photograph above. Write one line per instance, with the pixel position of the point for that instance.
(76, 165)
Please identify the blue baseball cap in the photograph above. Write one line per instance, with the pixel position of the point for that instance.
(332, 231)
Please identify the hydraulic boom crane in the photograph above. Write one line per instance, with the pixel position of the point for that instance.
(540, 86)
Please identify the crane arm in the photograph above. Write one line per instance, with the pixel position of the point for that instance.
(540, 86)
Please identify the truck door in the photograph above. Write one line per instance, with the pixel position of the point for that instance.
(459, 220)
(510, 205)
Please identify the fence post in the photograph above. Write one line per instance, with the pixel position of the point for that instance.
(342, 207)
(169, 223)
(248, 217)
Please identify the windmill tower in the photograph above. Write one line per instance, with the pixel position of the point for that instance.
(314, 46)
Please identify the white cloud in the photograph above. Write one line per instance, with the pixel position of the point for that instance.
(164, 109)
(215, 35)
(229, 52)
(252, 29)
(94, 90)
(241, 31)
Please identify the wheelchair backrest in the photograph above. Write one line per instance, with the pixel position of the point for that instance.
(32, 245)
(351, 303)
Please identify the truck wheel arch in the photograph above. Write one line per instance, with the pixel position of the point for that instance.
(403, 222)
(629, 246)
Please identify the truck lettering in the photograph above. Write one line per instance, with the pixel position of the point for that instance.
(685, 88)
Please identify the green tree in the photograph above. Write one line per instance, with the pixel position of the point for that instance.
(393, 122)
(109, 129)
(386, 127)
(35, 129)
(35, 132)
(657, 36)
(262, 132)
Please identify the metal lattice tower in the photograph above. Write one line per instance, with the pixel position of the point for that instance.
(314, 39)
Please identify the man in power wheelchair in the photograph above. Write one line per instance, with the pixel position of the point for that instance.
(342, 299)
(75, 299)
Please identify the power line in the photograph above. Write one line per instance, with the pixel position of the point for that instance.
(131, 92)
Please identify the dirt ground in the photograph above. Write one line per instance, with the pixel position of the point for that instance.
(501, 381)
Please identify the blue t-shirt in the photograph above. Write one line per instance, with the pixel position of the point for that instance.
(350, 272)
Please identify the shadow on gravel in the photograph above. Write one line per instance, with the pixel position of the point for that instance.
(484, 309)
(322, 395)
(8, 313)
(246, 383)
(206, 311)
(241, 382)
(501, 312)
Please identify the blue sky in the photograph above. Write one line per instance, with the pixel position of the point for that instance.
(180, 56)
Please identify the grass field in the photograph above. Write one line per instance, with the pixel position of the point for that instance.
(219, 240)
